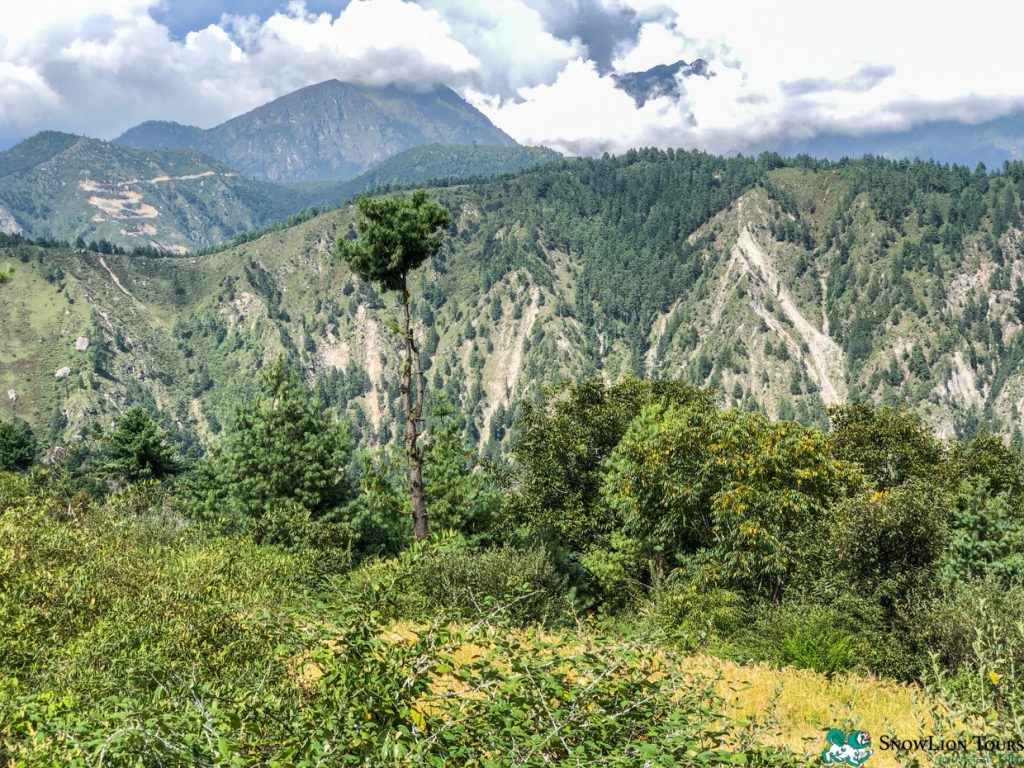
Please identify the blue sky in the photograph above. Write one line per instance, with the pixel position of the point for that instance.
(184, 16)
(784, 71)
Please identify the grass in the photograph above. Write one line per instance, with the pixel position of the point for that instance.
(800, 705)
(787, 707)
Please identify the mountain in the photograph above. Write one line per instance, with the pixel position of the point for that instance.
(64, 186)
(57, 185)
(784, 288)
(661, 80)
(993, 143)
(328, 131)
(433, 163)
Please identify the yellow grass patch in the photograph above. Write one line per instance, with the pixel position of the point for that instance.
(801, 705)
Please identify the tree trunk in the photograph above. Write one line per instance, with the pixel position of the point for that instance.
(413, 412)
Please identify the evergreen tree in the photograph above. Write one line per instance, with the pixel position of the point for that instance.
(284, 453)
(17, 446)
(459, 497)
(137, 449)
(396, 236)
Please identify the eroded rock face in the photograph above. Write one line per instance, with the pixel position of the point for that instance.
(54, 455)
(82, 343)
(62, 373)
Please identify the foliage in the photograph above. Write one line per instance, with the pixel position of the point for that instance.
(397, 234)
(730, 497)
(164, 648)
(284, 455)
(977, 664)
(378, 515)
(694, 617)
(562, 443)
(136, 448)
(460, 495)
(825, 638)
(986, 535)
(17, 446)
(520, 586)
(891, 445)
(883, 545)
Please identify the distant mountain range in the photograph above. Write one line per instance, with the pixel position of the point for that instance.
(331, 131)
(177, 188)
(946, 141)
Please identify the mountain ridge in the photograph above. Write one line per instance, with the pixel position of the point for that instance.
(783, 288)
(328, 131)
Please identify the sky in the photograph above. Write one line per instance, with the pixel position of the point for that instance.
(542, 70)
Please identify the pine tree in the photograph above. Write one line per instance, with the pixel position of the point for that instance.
(284, 452)
(137, 449)
(397, 235)
(17, 446)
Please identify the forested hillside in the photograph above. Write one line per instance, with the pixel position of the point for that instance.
(205, 518)
(783, 287)
(67, 187)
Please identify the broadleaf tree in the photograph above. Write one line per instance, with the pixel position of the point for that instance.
(395, 236)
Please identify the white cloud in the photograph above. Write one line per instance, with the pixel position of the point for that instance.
(538, 68)
(102, 70)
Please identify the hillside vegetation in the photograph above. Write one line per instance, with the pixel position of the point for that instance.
(784, 288)
(765, 466)
(264, 604)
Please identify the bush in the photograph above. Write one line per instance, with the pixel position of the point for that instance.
(976, 632)
(884, 545)
(521, 583)
(809, 636)
(948, 623)
(123, 650)
(692, 616)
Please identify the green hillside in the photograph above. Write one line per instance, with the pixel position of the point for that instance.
(68, 187)
(784, 288)
(434, 163)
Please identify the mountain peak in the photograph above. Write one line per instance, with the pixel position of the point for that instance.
(330, 130)
(661, 80)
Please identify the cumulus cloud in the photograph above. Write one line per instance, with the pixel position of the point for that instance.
(784, 72)
(541, 69)
(110, 64)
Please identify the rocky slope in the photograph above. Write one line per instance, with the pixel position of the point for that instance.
(795, 292)
(63, 186)
(328, 131)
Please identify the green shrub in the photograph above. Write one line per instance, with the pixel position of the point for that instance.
(694, 616)
(124, 650)
(809, 636)
(977, 660)
(456, 579)
(947, 624)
